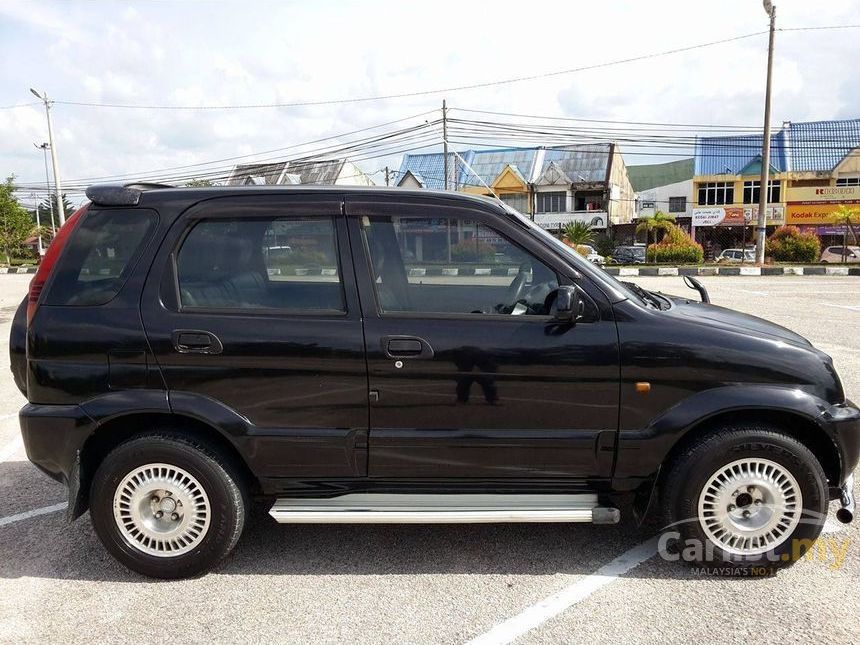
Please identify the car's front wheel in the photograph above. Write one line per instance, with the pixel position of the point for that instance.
(167, 506)
(747, 496)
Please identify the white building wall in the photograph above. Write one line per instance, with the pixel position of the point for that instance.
(660, 197)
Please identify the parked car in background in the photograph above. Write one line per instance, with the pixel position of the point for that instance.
(592, 255)
(835, 254)
(628, 255)
(736, 255)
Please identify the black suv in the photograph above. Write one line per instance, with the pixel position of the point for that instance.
(373, 355)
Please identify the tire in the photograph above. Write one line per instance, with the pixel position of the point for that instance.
(760, 467)
(200, 496)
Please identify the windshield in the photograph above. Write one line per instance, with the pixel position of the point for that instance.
(615, 289)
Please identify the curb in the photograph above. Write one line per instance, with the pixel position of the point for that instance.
(731, 271)
(17, 270)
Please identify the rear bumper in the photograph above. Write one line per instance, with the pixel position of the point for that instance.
(53, 437)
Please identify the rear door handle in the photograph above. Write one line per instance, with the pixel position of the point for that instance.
(196, 341)
(406, 347)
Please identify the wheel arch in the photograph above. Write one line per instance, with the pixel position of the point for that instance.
(118, 429)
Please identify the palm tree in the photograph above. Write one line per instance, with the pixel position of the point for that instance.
(843, 217)
(660, 221)
(577, 233)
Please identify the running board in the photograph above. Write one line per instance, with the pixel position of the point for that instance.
(376, 508)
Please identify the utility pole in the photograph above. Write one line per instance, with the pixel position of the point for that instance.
(386, 176)
(764, 182)
(445, 139)
(57, 187)
(44, 148)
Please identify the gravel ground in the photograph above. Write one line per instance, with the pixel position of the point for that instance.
(378, 584)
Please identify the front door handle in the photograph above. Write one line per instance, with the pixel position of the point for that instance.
(196, 341)
(406, 347)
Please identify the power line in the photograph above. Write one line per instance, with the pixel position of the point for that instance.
(458, 88)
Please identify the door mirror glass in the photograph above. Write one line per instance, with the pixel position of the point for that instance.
(568, 305)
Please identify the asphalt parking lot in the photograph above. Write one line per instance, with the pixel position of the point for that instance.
(422, 584)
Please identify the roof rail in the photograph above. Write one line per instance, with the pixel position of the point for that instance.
(120, 194)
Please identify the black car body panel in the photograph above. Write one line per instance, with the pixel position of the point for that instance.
(315, 403)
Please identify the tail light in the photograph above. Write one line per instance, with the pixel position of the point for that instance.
(48, 262)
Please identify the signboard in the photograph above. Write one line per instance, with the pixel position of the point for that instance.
(823, 194)
(718, 216)
(736, 216)
(816, 213)
(555, 221)
(775, 215)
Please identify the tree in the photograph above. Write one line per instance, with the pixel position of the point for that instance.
(199, 183)
(660, 221)
(51, 203)
(846, 217)
(15, 221)
(577, 233)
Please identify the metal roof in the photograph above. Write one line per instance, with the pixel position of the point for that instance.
(431, 168)
(729, 155)
(804, 147)
(324, 172)
(821, 145)
(581, 163)
(586, 162)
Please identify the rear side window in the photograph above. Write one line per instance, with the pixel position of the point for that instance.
(100, 256)
(275, 263)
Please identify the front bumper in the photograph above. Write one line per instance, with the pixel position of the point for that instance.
(842, 423)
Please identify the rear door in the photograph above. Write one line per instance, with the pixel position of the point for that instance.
(470, 378)
(252, 315)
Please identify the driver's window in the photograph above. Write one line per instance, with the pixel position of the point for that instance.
(454, 266)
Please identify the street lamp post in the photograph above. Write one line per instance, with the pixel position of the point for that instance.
(764, 183)
(57, 187)
(44, 147)
(38, 227)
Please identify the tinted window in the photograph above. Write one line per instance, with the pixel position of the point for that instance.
(100, 255)
(453, 265)
(261, 263)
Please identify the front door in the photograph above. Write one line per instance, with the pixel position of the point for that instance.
(253, 317)
(469, 375)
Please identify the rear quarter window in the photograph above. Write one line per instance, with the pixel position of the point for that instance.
(100, 256)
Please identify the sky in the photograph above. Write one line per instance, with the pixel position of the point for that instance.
(201, 52)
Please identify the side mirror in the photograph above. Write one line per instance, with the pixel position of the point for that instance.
(567, 306)
(695, 283)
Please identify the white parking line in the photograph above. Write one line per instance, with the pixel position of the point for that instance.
(849, 307)
(553, 605)
(11, 519)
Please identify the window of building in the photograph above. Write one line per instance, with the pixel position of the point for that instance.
(554, 202)
(518, 201)
(716, 193)
(848, 181)
(261, 263)
(589, 201)
(677, 204)
(454, 266)
(100, 256)
(752, 192)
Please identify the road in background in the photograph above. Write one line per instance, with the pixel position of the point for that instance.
(448, 584)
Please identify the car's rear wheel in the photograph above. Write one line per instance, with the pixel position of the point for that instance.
(747, 496)
(167, 506)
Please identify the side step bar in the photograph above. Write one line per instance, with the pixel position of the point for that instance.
(376, 508)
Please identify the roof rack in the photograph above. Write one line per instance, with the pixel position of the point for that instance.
(120, 194)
